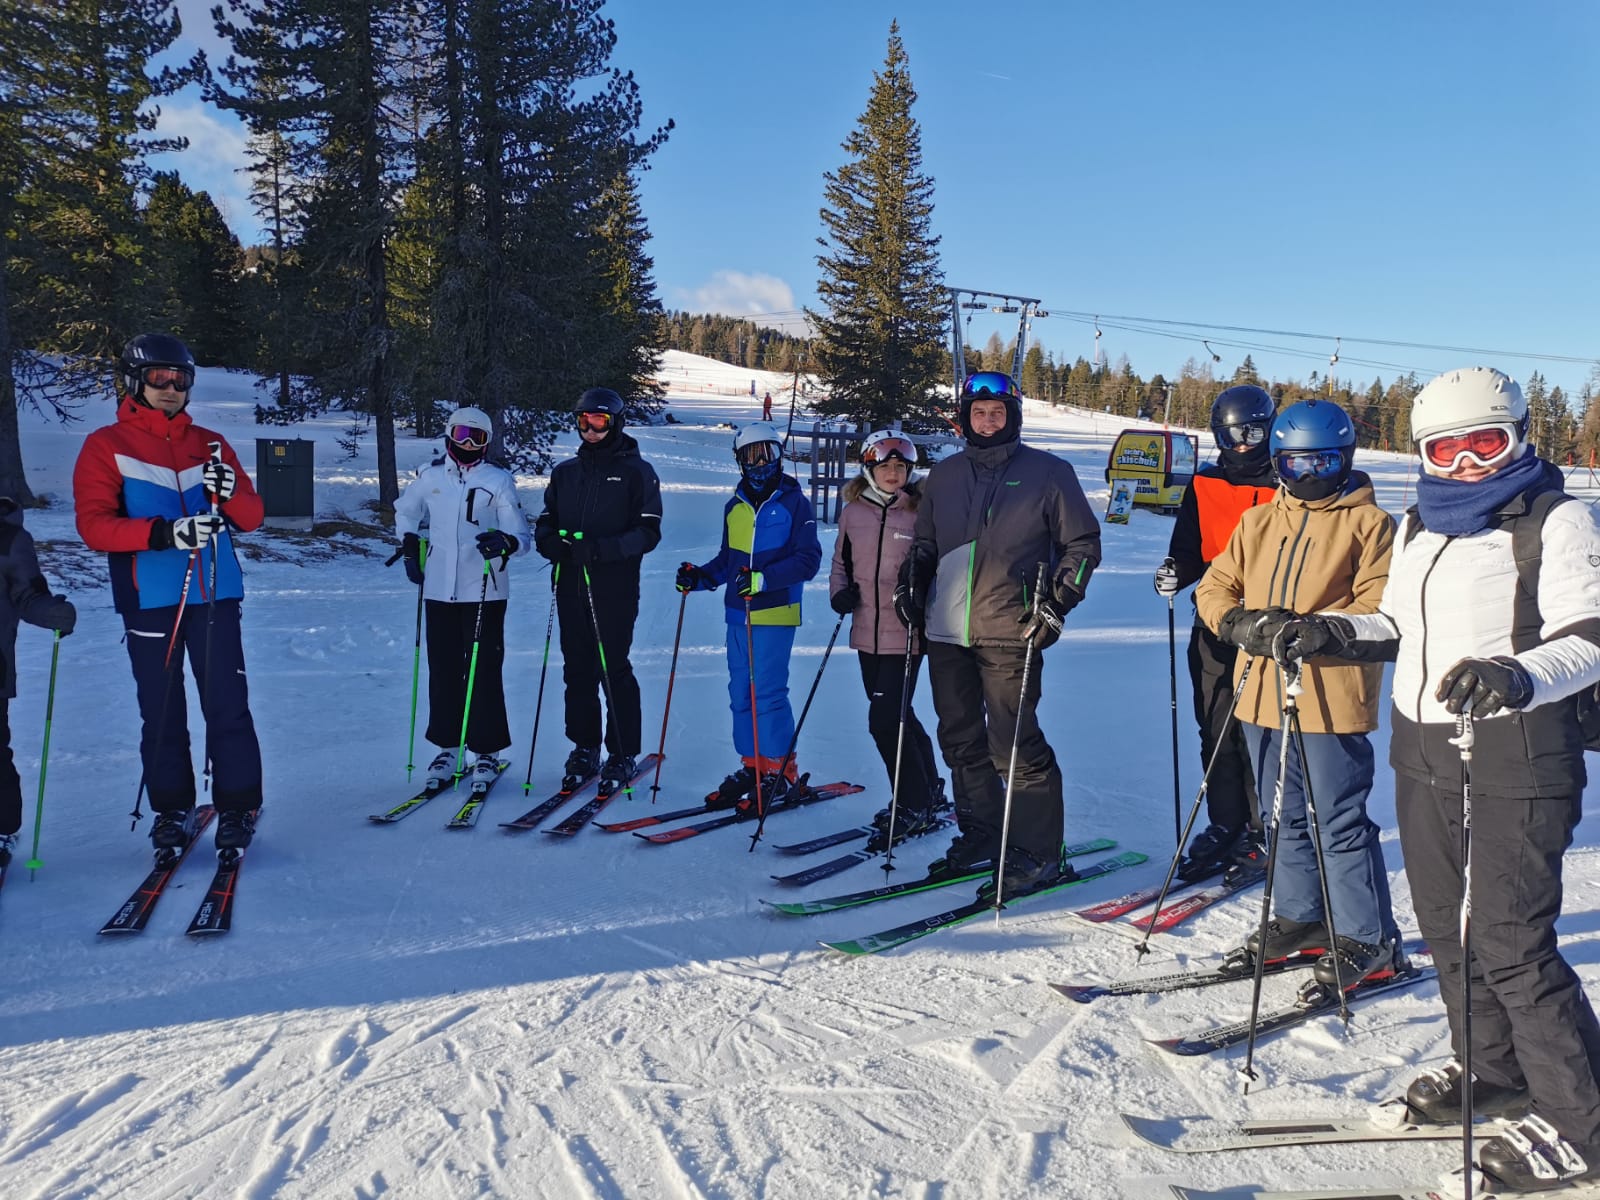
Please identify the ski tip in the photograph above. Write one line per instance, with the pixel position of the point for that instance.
(1081, 993)
(1181, 1046)
(851, 948)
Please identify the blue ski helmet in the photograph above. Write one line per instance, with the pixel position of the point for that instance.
(1313, 448)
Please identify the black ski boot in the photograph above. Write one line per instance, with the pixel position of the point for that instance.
(1531, 1156)
(8, 843)
(1286, 938)
(1434, 1097)
(617, 773)
(1024, 875)
(734, 788)
(171, 829)
(1249, 865)
(235, 828)
(1211, 851)
(1357, 963)
(908, 823)
(971, 851)
(583, 762)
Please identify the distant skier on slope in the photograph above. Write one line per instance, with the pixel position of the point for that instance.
(769, 551)
(149, 494)
(989, 518)
(876, 529)
(602, 515)
(1322, 544)
(475, 526)
(1241, 479)
(1514, 643)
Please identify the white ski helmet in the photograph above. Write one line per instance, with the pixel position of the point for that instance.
(477, 432)
(883, 444)
(1470, 398)
(474, 418)
(760, 469)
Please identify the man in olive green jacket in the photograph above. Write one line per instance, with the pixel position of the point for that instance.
(1322, 545)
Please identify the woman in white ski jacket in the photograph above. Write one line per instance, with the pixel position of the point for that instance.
(1492, 607)
(475, 526)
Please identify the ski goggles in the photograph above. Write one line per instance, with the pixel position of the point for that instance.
(758, 454)
(1295, 465)
(179, 379)
(997, 383)
(595, 422)
(1486, 447)
(1251, 433)
(889, 450)
(467, 435)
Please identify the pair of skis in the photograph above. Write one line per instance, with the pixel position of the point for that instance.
(591, 809)
(720, 817)
(215, 913)
(1171, 915)
(844, 862)
(465, 816)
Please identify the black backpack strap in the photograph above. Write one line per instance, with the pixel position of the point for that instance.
(1527, 548)
(1413, 526)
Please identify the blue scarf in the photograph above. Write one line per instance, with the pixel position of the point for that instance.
(1455, 507)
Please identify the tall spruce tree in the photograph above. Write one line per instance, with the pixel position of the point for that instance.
(880, 334)
(192, 272)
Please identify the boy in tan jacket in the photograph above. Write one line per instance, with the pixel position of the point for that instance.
(1322, 545)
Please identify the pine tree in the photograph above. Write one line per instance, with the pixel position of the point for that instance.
(192, 272)
(878, 342)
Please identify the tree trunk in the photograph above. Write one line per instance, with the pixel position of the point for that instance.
(13, 480)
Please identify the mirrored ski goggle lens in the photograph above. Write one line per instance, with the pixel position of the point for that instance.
(996, 383)
(1252, 433)
(889, 449)
(594, 422)
(1483, 446)
(179, 379)
(758, 454)
(466, 435)
(1309, 464)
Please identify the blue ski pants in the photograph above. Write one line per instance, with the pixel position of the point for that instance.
(774, 718)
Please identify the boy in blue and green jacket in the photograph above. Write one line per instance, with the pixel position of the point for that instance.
(769, 551)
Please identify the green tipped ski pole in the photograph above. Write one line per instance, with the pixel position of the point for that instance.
(544, 666)
(416, 664)
(35, 862)
(472, 674)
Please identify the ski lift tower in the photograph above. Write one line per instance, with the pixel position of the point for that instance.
(1026, 308)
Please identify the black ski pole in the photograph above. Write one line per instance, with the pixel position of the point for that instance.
(612, 719)
(416, 666)
(544, 666)
(1143, 947)
(211, 621)
(1322, 868)
(899, 753)
(1172, 680)
(799, 725)
(672, 675)
(1016, 740)
(1463, 741)
(472, 675)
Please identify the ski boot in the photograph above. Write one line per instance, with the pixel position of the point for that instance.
(1531, 1156)
(235, 828)
(8, 843)
(972, 850)
(1286, 938)
(778, 787)
(485, 770)
(1249, 864)
(617, 773)
(441, 770)
(1211, 851)
(170, 833)
(1025, 874)
(583, 762)
(732, 790)
(909, 823)
(1357, 962)
(1434, 1098)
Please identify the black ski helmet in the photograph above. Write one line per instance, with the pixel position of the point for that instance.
(1241, 418)
(151, 350)
(599, 400)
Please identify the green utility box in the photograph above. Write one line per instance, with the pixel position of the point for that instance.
(283, 477)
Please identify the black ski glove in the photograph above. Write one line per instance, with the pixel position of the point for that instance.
(910, 597)
(1253, 629)
(691, 578)
(65, 617)
(497, 543)
(1485, 686)
(1042, 623)
(847, 599)
(411, 555)
(551, 546)
(1313, 636)
(1166, 579)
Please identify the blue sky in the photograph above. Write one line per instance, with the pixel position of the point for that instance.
(1423, 173)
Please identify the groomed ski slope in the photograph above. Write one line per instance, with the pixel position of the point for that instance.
(405, 1012)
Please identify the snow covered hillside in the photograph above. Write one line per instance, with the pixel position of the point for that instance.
(405, 1012)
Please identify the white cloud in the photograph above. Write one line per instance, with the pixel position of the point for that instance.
(765, 299)
(212, 161)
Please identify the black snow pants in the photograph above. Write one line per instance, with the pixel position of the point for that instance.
(1230, 793)
(1532, 1024)
(883, 675)
(977, 692)
(10, 782)
(450, 629)
(616, 609)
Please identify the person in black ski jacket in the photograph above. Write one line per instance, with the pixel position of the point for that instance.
(24, 596)
(1220, 494)
(990, 517)
(1492, 608)
(602, 515)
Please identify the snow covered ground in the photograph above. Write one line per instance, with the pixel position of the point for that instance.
(402, 1011)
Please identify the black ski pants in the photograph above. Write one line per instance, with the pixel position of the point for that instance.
(231, 744)
(977, 692)
(616, 609)
(10, 782)
(450, 630)
(1230, 792)
(884, 677)
(1532, 1024)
